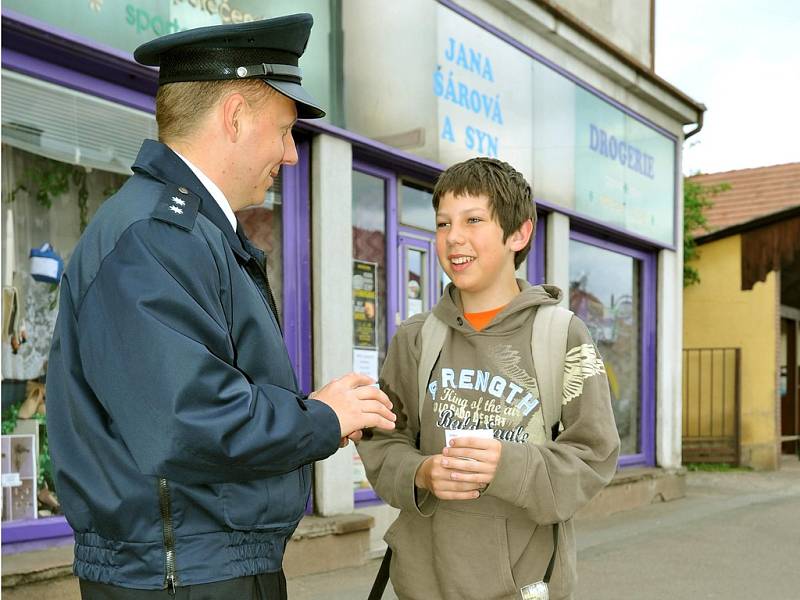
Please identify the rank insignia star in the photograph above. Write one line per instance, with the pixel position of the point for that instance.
(178, 201)
(177, 210)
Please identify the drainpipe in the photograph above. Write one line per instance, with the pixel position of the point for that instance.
(696, 129)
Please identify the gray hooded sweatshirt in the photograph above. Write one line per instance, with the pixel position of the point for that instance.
(490, 547)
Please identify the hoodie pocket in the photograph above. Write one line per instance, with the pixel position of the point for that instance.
(274, 503)
(471, 555)
(410, 570)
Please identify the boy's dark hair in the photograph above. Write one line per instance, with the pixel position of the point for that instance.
(510, 196)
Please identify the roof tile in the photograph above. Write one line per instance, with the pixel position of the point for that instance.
(754, 193)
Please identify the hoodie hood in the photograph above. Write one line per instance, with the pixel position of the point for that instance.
(450, 308)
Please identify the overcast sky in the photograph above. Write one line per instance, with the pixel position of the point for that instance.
(741, 58)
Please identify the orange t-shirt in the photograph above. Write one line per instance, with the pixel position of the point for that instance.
(479, 320)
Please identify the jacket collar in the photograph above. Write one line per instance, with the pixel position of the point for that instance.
(158, 161)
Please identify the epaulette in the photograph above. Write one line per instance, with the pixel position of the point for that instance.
(178, 206)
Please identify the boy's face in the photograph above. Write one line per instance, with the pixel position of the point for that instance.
(471, 250)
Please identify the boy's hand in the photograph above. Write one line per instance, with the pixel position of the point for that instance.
(433, 476)
(484, 455)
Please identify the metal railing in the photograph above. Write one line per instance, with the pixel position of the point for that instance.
(711, 401)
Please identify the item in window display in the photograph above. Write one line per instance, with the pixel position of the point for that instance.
(34, 400)
(19, 455)
(23, 505)
(47, 498)
(13, 333)
(40, 311)
(46, 264)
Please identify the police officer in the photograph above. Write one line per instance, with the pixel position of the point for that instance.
(181, 441)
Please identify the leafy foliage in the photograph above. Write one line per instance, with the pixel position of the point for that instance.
(48, 179)
(696, 199)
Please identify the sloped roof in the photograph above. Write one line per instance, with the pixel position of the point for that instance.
(754, 193)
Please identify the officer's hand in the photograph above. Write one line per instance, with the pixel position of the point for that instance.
(436, 476)
(357, 404)
(355, 436)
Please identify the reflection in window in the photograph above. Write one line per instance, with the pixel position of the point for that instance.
(416, 208)
(369, 240)
(263, 225)
(415, 281)
(604, 293)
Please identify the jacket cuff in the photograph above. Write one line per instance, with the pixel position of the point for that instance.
(327, 429)
(512, 471)
(410, 497)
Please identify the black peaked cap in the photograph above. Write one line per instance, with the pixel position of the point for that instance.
(267, 50)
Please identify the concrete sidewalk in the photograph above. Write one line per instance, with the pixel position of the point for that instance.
(736, 535)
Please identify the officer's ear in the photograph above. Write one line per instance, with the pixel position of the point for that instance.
(233, 108)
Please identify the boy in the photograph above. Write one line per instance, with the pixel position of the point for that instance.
(476, 517)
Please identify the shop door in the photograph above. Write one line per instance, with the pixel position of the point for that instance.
(420, 283)
(790, 387)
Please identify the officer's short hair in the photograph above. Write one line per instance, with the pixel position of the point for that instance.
(181, 107)
(510, 196)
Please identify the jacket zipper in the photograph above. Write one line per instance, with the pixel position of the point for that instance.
(171, 578)
(266, 290)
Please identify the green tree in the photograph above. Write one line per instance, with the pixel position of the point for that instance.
(696, 199)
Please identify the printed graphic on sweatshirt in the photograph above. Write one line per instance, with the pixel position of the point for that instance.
(580, 363)
(504, 397)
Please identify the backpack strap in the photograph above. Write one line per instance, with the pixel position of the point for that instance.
(434, 330)
(551, 324)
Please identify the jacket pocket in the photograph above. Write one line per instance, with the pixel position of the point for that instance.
(274, 503)
(470, 555)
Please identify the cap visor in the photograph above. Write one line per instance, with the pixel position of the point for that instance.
(307, 107)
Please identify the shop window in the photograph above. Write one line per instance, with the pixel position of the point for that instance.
(416, 207)
(369, 246)
(45, 202)
(610, 291)
(369, 291)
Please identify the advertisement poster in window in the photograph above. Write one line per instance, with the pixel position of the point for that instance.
(365, 338)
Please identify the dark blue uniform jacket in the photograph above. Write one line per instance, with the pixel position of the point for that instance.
(181, 442)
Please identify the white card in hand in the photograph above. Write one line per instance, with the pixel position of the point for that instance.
(451, 434)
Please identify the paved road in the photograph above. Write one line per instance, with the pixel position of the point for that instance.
(735, 536)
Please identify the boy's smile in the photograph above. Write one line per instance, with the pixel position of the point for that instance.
(471, 250)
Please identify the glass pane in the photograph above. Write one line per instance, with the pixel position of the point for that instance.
(604, 293)
(264, 226)
(369, 241)
(369, 245)
(415, 281)
(416, 208)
